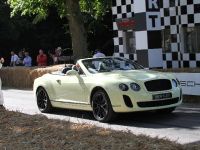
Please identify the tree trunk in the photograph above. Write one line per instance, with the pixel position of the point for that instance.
(77, 29)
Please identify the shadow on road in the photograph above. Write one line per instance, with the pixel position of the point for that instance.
(183, 117)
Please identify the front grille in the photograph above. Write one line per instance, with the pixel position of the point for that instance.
(158, 85)
(158, 103)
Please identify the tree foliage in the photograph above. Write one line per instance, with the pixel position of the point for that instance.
(96, 8)
(71, 9)
(19, 32)
(95, 14)
(40, 8)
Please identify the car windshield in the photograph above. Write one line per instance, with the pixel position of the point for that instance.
(99, 65)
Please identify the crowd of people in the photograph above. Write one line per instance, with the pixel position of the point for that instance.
(24, 59)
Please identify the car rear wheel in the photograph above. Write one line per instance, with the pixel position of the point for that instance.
(43, 101)
(166, 110)
(102, 108)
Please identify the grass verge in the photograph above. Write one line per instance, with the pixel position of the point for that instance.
(20, 131)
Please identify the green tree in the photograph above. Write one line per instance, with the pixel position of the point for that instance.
(71, 9)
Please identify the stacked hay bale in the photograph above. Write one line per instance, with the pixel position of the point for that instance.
(23, 77)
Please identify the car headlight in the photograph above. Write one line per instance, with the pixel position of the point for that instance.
(174, 83)
(123, 87)
(135, 87)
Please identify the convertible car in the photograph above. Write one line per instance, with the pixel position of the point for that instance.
(107, 86)
(1, 93)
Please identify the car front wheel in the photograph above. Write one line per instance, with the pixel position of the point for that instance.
(43, 101)
(101, 106)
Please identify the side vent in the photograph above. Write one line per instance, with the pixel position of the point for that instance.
(127, 101)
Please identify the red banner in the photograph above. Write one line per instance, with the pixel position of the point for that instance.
(126, 24)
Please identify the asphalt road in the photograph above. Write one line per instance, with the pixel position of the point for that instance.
(182, 126)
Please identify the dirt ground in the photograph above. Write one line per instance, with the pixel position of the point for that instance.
(19, 131)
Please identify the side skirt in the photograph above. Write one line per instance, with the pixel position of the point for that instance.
(70, 104)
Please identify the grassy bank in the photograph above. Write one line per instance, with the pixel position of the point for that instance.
(20, 131)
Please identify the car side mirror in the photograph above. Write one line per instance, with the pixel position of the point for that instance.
(72, 73)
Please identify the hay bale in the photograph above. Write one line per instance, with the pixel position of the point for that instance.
(23, 77)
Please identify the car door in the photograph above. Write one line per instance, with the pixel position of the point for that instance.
(70, 89)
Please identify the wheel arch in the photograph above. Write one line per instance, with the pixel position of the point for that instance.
(94, 90)
(40, 86)
(45, 87)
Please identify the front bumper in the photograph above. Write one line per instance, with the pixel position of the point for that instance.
(142, 101)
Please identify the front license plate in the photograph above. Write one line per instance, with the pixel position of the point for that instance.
(162, 96)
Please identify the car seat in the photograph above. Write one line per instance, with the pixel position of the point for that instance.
(64, 71)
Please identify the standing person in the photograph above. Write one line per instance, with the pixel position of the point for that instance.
(55, 57)
(14, 59)
(27, 60)
(41, 58)
(1, 60)
(21, 58)
(98, 54)
(58, 53)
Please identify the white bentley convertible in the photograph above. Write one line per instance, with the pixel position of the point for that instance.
(107, 86)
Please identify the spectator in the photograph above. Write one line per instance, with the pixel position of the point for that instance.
(27, 60)
(21, 58)
(1, 60)
(56, 55)
(98, 54)
(14, 59)
(41, 58)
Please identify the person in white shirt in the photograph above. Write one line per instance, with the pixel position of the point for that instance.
(14, 59)
(98, 54)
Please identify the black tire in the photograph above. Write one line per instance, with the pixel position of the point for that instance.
(43, 102)
(166, 110)
(102, 108)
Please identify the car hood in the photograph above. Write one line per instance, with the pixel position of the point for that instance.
(136, 75)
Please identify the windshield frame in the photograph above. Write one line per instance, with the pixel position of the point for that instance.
(136, 65)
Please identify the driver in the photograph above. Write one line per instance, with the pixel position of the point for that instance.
(77, 68)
